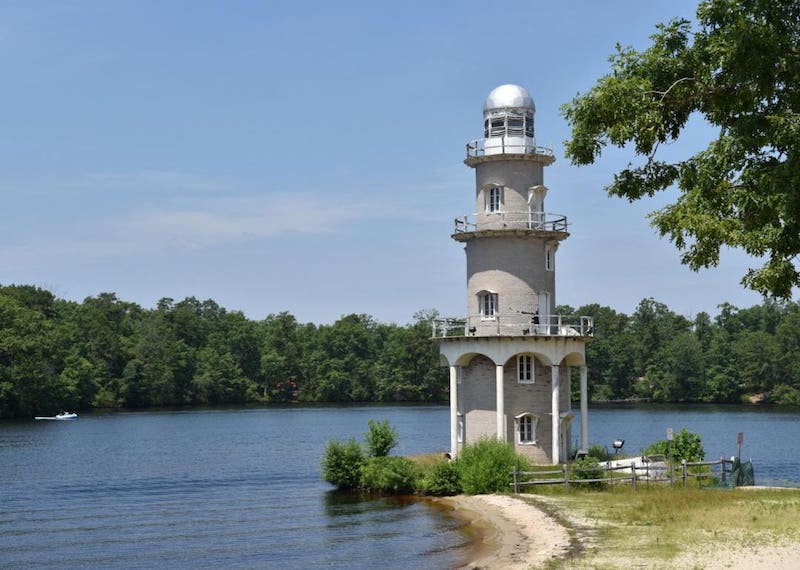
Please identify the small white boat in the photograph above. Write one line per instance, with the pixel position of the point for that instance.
(61, 416)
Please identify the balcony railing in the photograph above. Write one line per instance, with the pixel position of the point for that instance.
(500, 145)
(514, 325)
(540, 221)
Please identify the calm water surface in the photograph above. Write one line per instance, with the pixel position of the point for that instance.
(771, 435)
(234, 488)
(241, 488)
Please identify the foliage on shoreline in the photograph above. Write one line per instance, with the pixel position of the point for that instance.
(108, 353)
(685, 446)
(482, 467)
(739, 356)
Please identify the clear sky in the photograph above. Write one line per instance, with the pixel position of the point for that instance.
(308, 156)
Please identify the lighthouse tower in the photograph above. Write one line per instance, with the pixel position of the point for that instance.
(511, 357)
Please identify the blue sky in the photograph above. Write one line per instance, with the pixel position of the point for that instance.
(308, 156)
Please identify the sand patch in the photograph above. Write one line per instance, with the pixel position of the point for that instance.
(515, 534)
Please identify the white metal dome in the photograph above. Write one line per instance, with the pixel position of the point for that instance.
(509, 96)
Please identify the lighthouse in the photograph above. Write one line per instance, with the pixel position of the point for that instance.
(511, 357)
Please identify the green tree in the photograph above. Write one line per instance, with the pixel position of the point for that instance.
(280, 357)
(652, 327)
(675, 371)
(739, 70)
(342, 462)
(30, 354)
(685, 446)
(611, 371)
(380, 439)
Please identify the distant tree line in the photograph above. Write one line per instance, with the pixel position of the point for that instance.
(740, 355)
(108, 353)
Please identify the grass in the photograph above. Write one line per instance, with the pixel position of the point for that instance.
(654, 526)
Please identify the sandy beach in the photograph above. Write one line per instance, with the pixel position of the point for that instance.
(515, 534)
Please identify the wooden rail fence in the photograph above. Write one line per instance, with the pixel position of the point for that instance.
(568, 474)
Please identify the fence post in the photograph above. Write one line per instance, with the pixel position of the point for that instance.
(566, 478)
(516, 481)
(722, 468)
(683, 471)
(633, 476)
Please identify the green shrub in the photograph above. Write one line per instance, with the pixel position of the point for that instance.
(599, 452)
(342, 462)
(587, 468)
(685, 445)
(380, 439)
(389, 475)
(441, 479)
(785, 395)
(486, 466)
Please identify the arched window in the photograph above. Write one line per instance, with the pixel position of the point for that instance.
(526, 428)
(487, 302)
(494, 198)
(525, 369)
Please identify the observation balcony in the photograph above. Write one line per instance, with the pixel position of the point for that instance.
(513, 326)
(496, 223)
(507, 148)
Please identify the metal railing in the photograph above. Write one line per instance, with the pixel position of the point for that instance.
(499, 145)
(538, 221)
(513, 325)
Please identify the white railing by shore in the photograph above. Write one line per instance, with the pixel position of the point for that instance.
(499, 145)
(514, 325)
(537, 221)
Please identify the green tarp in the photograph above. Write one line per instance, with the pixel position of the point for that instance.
(742, 473)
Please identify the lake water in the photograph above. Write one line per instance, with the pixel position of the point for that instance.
(771, 435)
(240, 488)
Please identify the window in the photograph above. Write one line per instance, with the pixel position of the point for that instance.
(526, 428)
(548, 258)
(525, 369)
(488, 305)
(486, 129)
(529, 126)
(498, 127)
(494, 198)
(515, 126)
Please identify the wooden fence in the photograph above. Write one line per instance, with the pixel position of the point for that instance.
(633, 474)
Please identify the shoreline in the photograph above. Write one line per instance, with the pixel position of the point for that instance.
(510, 532)
(507, 532)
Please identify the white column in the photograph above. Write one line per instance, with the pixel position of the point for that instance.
(453, 411)
(584, 410)
(556, 416)
(501, 411)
